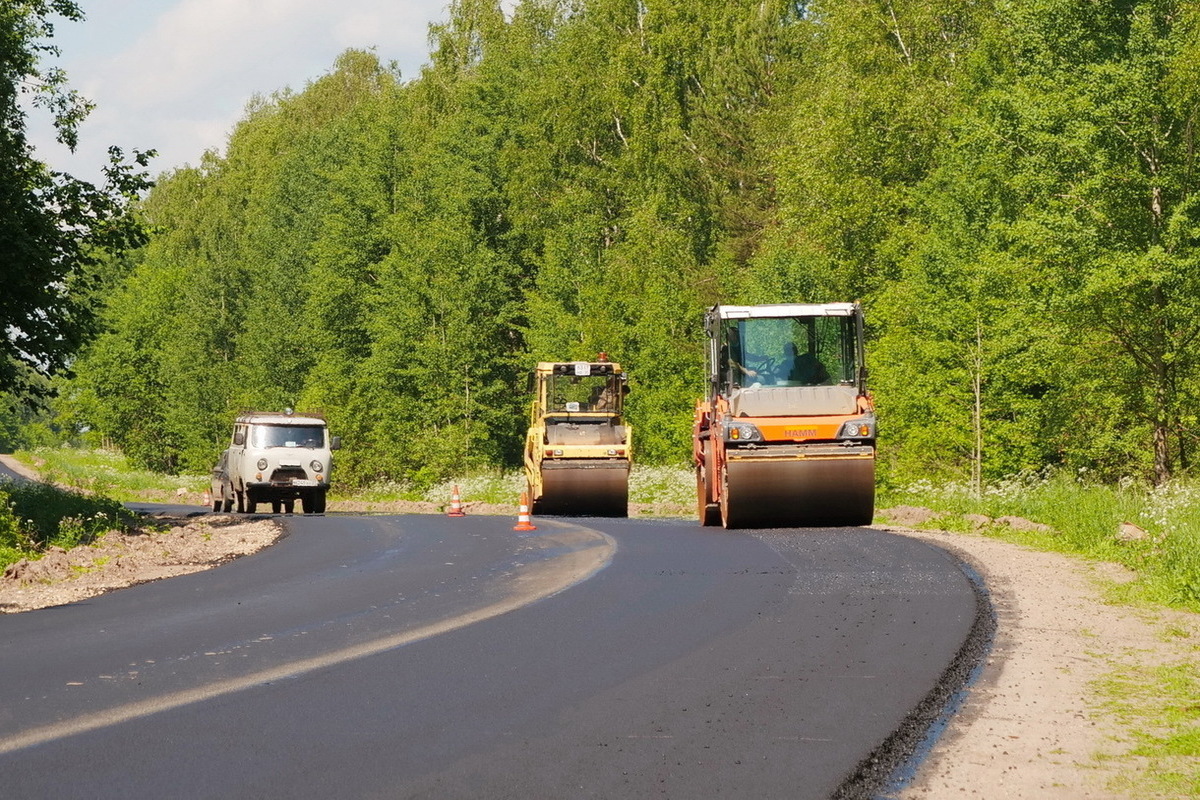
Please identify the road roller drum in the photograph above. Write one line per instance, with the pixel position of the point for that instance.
(584, 487)
(830, 490)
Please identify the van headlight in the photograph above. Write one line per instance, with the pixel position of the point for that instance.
(262, 463)
(317, 466)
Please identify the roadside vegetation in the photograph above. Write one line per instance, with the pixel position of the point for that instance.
(35, 517)
(108, 473)
(1152, 530)
(1156, 706)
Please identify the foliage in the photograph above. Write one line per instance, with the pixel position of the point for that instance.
(1007, 185)
(108, 473)
(58, 235)
(1084, 517)
(36, 516)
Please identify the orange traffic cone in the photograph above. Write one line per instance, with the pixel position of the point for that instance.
(456, 509)
(523, 523)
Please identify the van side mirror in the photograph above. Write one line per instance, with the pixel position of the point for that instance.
(335, 443)
(239, 438)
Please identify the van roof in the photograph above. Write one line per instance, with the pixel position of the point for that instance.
(279, 418)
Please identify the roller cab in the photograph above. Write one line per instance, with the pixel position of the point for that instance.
(577, 450)
(785, 435)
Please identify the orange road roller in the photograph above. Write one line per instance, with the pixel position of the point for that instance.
(785, 436)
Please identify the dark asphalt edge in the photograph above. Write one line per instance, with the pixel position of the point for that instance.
(887, 771)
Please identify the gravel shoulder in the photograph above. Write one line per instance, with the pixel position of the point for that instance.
(164, 547)
(1030, 725)
(159, 547)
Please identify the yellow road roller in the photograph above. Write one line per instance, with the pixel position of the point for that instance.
(577, 450)
(785, 435)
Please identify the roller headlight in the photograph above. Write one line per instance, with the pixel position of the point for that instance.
(262, 463)
(863, 428)
(317, 466)
(742, 432)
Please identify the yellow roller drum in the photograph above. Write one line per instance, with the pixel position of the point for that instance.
(584, 487)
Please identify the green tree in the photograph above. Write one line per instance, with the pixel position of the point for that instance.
(1099, 120)
(54, 229)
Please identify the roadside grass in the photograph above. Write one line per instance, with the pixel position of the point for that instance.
(1156, 705)
(108, 473)
(648, 485)
(665, 486)
(36, 516)
(1085, 520)
(488, 486)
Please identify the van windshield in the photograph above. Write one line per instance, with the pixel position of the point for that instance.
(311, 436)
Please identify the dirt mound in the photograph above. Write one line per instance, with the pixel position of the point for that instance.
(117, 560)
(907, 516)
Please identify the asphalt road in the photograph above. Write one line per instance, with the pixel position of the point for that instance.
(7, 474)
(423, 656)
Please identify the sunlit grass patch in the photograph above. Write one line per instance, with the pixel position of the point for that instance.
(1159, 708)
(663, 485)
(1086, 519)
(486, 487)
(108, 472)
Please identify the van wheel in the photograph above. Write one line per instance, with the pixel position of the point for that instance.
(289, 506)
(276, 506)
(240, 498)
(251, 502)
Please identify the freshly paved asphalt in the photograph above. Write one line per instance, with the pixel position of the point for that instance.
(696, 664)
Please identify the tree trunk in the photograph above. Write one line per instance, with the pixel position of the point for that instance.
(977, 413)
(1162, 425)
(1162, 453)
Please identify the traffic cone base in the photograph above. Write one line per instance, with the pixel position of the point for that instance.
(523, 523)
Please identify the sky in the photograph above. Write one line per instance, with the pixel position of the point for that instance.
(175, 75)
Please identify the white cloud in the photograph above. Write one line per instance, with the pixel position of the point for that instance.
(180, 84)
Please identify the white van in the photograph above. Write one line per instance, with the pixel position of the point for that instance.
(277, 459)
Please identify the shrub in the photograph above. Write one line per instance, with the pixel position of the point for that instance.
(35, 516)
